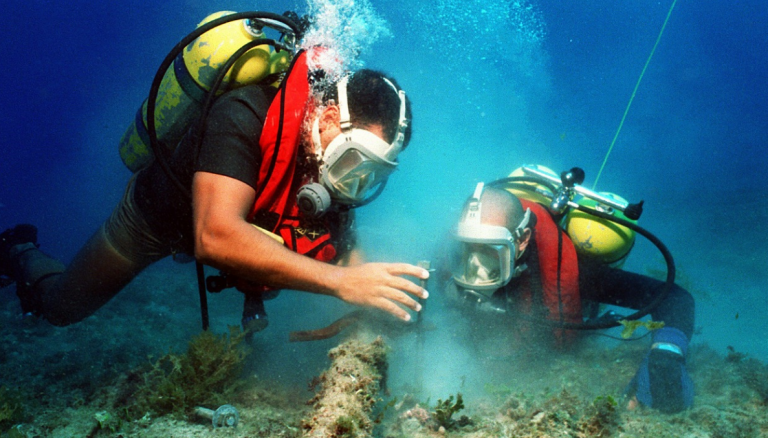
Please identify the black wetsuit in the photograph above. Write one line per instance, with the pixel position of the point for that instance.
(602, 284)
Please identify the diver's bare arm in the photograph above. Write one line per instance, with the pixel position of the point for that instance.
(225, 240)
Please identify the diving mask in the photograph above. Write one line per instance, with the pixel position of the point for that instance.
(483, 259)
(358, 161)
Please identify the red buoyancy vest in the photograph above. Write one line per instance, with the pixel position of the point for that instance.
(278, 185)
(275, 183)
(559, 271)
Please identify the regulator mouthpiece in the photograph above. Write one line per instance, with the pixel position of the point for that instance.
(313, 200)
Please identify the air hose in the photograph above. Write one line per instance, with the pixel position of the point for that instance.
(664, 289)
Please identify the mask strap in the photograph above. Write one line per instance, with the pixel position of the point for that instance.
(344, 104)
(402, 122)
(346, 124)
(519, 269)
(518, 233)
(473, 210)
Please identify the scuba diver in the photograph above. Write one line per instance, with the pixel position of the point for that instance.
(272, 172)
(513, 257)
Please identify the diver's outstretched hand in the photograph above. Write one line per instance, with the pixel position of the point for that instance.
(382, 286)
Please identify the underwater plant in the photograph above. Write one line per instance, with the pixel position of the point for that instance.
(755, 375)
(11, 409)
(445, 409)
(734, 356)
(206, 374)
(107, 422)
(601, 417)
(631, 326)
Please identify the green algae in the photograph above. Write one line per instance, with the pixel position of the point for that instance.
(631, 326)
(444, 410)
(207, 374)
(11, 408)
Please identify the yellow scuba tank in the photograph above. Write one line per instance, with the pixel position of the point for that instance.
(538, 192)
(597, 238)
(594, 237)
(185, 84)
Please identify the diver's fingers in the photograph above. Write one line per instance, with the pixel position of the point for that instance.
(407, 269)
(402, 284)
(380, 285)
(393, 309)
(390, 305)
(398, 296)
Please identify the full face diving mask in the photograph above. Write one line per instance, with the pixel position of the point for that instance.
(355, 163)
(484, 255)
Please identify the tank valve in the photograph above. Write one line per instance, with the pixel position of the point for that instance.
(224, 416)
(564, 196)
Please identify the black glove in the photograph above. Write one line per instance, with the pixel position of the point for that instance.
(662, 381)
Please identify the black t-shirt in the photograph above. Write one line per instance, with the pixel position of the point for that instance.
(229, 147)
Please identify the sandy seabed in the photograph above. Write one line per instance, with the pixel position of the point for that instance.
(64, 380)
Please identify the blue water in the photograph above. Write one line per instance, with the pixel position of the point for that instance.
(494, 85)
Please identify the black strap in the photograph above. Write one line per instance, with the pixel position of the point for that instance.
(203, 297)
(200, 269)
(186, 82)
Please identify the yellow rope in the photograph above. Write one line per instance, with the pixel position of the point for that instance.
(634, 92)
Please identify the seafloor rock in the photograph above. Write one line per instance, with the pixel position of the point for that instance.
(348, 391)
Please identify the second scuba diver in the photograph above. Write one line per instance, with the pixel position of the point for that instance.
(512, 257)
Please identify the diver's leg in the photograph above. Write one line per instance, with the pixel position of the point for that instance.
(65, 296)
(636, 291)
(111, 258)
